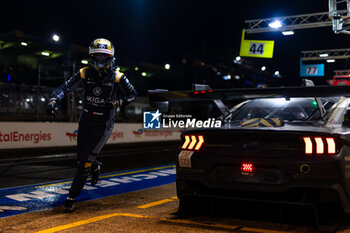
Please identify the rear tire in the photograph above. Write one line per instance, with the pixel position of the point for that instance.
(186, 207)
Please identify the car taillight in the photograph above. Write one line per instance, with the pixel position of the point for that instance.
(320, 146)
(193, 142)
(247, 167)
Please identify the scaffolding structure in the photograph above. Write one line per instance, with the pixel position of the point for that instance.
(327, 54)
(337, 17)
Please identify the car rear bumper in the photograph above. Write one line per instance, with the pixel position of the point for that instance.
(307, 195)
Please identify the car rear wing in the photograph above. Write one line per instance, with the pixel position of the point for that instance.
(157, 98)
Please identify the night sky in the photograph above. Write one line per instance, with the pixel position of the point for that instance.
(163, 31)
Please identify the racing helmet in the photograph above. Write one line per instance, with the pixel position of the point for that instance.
(101, 52)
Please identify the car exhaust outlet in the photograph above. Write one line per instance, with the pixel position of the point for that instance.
(304, 168)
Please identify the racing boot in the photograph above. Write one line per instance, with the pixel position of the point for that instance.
(95, 172)
(69, 205)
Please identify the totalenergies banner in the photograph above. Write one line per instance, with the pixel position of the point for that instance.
(16, 135)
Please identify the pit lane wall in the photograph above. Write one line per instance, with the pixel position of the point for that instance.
(17, 135)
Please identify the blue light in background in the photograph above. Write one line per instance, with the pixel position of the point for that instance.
(8, 78)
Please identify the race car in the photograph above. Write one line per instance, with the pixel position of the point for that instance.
(280, 145)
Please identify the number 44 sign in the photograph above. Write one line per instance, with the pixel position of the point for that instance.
(256, 48)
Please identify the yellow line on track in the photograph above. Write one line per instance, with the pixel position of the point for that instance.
(222, 226)
(120, 174)
(145, 170)
(250, 229)
(90, 220)
(157, 203)
(180, 221)
(183, 221)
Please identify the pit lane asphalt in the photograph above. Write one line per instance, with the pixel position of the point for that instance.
(25, 167)
(150, 210)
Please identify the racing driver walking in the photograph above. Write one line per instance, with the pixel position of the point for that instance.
(104, 88)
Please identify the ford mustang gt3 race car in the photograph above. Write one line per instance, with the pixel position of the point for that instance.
(280, 145)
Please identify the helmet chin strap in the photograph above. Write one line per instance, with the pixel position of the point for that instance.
(102, 72)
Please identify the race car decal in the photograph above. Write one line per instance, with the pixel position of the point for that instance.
(262, 122)
(185, 158)
(45, 196)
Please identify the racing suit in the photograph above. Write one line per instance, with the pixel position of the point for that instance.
(96, 121)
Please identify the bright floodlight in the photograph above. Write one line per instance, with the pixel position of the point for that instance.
(167, 66)
(144, 74)
(226, 77)
(27, 100)
(275, 24)
(85, 62)
(46, 54)
(277, 73)
(323, 55)
(263, 68)
(42, 99)
(55, 37)
(330, 60)
(288, 33)
(238, 58)
(24, 43)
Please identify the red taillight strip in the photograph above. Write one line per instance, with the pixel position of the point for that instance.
(319, 145)
(193, 142)
(187, 141)
(308, 145)
(323, 145)
(200, 142)
(331, 145)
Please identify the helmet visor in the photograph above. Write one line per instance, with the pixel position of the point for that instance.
(102, 60)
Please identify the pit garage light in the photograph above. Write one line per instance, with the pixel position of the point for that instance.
(226, 77)
(263, 68)
(42, 99)
(46, 54)
(24, 43)
(277, 73)
(330, 60)
(238, 58)
(144, 74)
(85, 62)
(56, 38)
(288, 33)
(323, 55)
(27, 100)
(167, 66)
(193, 142)
(275, 24)
(80, 101)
